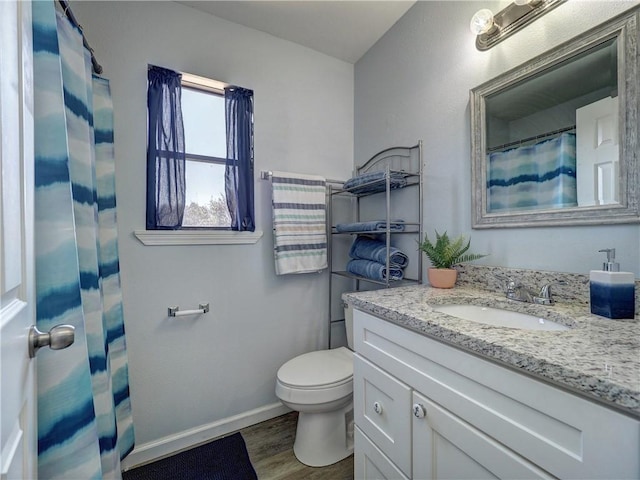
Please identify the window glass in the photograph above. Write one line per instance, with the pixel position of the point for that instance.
(206, 204)
(204, 123)
(205, 143)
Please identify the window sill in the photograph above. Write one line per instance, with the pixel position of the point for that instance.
(193, 237)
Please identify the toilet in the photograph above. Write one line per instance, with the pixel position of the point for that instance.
(319, 385)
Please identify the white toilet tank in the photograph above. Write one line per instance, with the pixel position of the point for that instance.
(348, 324)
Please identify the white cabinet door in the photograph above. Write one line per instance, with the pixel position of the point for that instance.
(447, 447)
(382, 410)
(18, 440)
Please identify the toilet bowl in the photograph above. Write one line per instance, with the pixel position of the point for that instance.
(319, 385)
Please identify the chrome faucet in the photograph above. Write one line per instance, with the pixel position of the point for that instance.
(520, 293)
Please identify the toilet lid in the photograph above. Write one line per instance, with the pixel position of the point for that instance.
(317, 369)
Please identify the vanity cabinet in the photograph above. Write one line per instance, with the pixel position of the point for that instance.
(424, 409)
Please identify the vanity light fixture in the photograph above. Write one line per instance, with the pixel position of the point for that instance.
(491, 29)
(482, 22)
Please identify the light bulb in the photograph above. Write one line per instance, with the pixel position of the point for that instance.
(482, 21)
(521, 2)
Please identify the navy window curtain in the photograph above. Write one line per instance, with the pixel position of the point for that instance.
(165, 150)
(239, 167)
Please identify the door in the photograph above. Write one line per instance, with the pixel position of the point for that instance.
(447, 447)
(597, 153)
(18, 440)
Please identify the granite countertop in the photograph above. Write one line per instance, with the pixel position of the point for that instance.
(597, 358)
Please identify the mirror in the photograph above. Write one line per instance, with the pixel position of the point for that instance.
(555, 141)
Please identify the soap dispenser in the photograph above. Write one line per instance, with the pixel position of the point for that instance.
(612, 291)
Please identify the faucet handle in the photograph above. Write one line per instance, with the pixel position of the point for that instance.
(511, 285)
(545, 291)
(544, 296)
(514, 290)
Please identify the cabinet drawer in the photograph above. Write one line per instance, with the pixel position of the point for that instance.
(370, 463)
(562, 433)
(383, 411)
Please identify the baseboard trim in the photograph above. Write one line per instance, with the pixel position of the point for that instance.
(163, 447)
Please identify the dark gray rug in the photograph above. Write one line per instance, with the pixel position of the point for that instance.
(222, 459)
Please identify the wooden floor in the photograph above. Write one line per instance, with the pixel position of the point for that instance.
(270, 447)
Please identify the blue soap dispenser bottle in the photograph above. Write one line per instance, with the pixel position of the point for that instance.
(612, 291)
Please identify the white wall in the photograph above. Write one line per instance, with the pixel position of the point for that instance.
(190, 372)
(414, 84)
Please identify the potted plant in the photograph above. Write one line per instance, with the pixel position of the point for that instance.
(444, 254)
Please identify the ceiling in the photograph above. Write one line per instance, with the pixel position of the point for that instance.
(581, 79)
(342, 29)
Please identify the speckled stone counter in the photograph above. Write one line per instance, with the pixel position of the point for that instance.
(597, 358)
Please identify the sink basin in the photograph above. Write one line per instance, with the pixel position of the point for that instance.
(499, 318)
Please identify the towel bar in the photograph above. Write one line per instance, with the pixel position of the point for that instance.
(267, 174)
(176, 312)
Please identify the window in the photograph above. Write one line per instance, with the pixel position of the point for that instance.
(199, 158)
(203, 115)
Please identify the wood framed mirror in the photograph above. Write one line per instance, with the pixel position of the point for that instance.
(555, 141)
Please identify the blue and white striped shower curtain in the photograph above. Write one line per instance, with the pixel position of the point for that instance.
(536, 176)
(84, 413)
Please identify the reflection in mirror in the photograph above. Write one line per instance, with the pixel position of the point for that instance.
(537, 127)
(554, 141)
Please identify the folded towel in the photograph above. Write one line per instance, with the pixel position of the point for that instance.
(372, 226)
(374, 182)
(373, 270)
(369, 249)
(299, 223)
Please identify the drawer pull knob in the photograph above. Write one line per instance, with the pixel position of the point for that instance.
(377, 407)
(419, 410)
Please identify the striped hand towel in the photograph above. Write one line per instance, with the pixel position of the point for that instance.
(299, 223)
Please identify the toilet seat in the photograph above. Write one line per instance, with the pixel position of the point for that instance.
(317, 378)
(320, 369)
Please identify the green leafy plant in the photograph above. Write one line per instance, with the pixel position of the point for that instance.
(446, 252)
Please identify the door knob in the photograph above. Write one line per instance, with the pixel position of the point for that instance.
(59, 337)
(419, 411)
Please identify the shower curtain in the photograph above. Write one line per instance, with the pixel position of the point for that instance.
(536, 176)
(84, 413)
